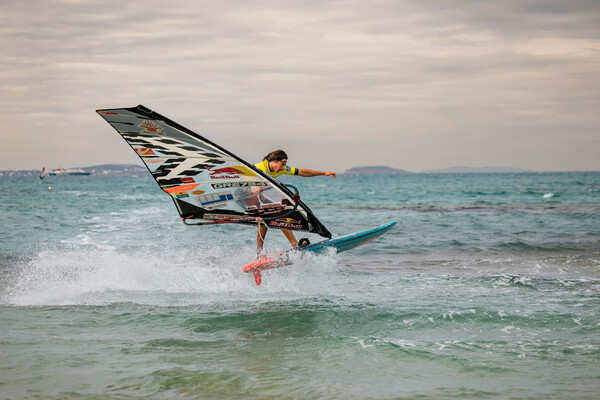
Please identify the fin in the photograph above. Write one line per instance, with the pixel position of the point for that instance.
(257, 276)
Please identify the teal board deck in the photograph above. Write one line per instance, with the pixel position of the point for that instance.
(350, 241)
(342, 243)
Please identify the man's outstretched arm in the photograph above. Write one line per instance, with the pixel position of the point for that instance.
(313, 172)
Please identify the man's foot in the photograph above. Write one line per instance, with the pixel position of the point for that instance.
(261, 253)
(303, 242)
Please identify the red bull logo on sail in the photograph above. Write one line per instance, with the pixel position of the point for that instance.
(289, 223)
(235, 172)
(288, 220)
(226, 170)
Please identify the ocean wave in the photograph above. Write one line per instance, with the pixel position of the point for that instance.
(90, 273)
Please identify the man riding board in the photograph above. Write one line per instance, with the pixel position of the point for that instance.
(275, 165)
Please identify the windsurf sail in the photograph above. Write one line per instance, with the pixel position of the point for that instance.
(207, 183)
(42, 174)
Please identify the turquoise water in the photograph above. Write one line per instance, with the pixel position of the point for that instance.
(488, 287)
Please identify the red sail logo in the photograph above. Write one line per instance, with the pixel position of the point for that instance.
(151, 128)
(289, 223)
(235, 172)
(226, 171)
(144, 151)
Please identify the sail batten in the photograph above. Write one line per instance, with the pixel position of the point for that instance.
(206, 181)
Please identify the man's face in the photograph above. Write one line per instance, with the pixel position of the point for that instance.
(277, 166)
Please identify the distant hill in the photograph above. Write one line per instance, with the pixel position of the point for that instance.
(375, 170)
(462, 169)
(117, 169)
(105, 170)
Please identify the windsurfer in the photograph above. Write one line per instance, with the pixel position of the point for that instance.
(275, 165)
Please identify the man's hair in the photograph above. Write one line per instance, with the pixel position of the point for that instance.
(276, 155)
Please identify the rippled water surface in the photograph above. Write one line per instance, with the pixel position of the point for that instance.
(488, 287)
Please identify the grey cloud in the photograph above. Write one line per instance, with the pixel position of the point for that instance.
(396, 78)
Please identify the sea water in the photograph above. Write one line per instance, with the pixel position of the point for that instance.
(488, 287)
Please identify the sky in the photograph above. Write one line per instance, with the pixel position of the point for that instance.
(416, 85)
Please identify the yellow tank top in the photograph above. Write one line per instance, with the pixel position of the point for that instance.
(264, 166)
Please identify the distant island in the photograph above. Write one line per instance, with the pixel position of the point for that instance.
(117, 169)
(383, 170)
(100, 170)
(462, 170)
(375, 170)
(133, 169)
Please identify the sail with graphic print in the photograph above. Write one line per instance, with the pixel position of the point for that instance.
(209, 184)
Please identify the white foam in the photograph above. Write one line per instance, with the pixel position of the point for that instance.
(92, 274)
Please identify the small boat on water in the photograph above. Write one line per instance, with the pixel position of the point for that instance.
(63, 171)
(77, 172)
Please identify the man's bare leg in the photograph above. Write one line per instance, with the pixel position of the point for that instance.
(260, 238)
(290, 236)
(261, 233)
